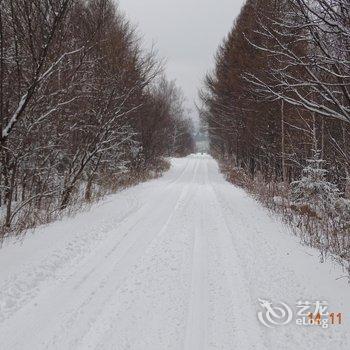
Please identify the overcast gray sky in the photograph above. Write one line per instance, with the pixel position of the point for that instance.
(186, 33)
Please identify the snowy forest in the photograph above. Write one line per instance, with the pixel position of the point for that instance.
(84, 109)
(277, 110)
(174, 174)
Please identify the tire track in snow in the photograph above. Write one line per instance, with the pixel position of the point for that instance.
(197, 314)
(98, 331)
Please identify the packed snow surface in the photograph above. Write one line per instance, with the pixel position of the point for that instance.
(175, 263)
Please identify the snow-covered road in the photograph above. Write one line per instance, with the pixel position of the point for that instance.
(176, 263)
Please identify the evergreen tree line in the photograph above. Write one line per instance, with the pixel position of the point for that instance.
(277, 110)
(83, 108)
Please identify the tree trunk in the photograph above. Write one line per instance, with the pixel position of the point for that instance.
(283, 145)
(88, 190)
(10, 197)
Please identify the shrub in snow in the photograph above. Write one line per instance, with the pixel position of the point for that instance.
(278, 201)
(313, 191)
(342, 214)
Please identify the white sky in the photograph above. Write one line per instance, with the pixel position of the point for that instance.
(186, 33)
